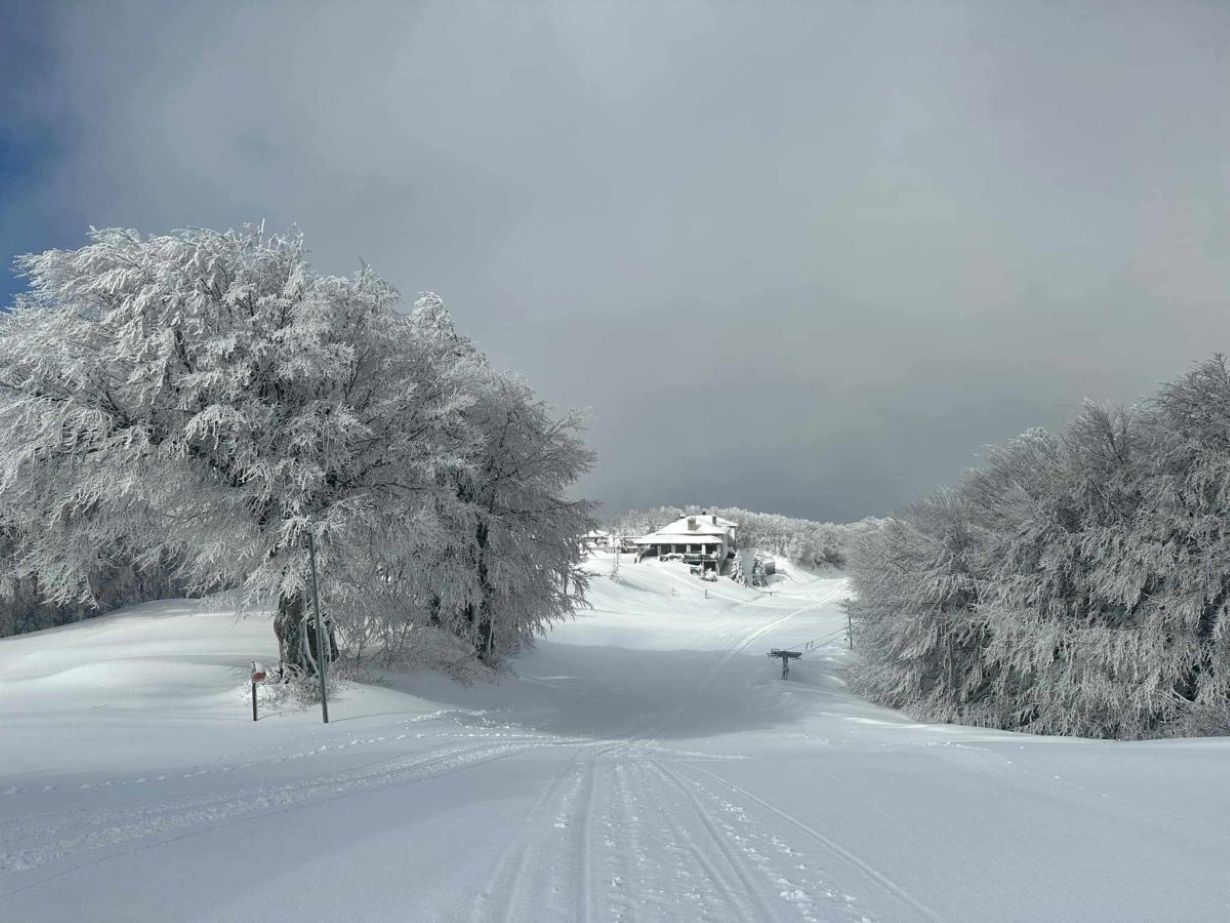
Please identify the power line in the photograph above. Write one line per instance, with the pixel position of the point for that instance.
(816, 642)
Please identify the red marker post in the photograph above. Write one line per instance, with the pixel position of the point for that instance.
(258, 675)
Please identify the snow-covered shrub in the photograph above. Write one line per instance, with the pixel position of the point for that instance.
(427, 648)
(296, 690)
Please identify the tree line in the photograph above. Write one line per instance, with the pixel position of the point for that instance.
(1075, 583)
(803, 541)
(178, 412)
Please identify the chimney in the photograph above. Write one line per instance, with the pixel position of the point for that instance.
(715, 519)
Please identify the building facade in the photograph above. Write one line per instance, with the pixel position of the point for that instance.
(703, 539)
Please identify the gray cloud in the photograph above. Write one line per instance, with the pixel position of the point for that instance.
(801, 257)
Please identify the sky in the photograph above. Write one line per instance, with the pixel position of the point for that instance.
(801, 257)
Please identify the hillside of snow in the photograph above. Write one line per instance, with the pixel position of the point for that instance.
(644, 762)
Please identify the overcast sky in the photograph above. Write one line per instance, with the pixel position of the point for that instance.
(803, 257)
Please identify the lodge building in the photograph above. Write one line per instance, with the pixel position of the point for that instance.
(699, 539)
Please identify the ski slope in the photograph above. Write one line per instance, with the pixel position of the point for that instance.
(645, 763)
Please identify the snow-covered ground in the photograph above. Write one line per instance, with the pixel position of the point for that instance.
(646, 763)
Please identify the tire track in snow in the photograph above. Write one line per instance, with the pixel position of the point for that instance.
(526, 883)
(507, 882)
(793, 880)
(624, 828)
(53, 822)
(722, 885)
(761, 910)
(752, 636)
(588, 848)
(118, 828)
(737, 887)
(661, 873)
(725, 657)
(872, 873)
(583, 831)
(729, 889)
(747, 640)
(636, 751)
(286, 751)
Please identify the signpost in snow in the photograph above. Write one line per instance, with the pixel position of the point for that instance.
(258, 675)
(786, 657)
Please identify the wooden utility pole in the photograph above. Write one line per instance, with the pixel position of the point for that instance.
(322, 656)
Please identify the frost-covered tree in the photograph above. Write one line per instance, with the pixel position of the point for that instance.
(198, 401)
(1068, 617)
(1074, 584)
(641, 522)
(24, 607)
(753, 574)
(503, 559)
(1184, 538)
(735, 571)
(912, 614)
(526, 534)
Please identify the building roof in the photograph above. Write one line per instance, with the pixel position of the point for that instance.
(694, 529)
(678, 538)
(701, 523)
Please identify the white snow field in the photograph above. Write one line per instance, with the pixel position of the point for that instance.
(645, 763)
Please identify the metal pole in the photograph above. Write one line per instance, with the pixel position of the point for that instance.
(849, 631)
(322, 656)
(253, 677)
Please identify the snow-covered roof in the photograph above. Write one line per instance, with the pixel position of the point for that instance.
(700, 524)
(692, 529)
(597, 533)
(677, 538)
